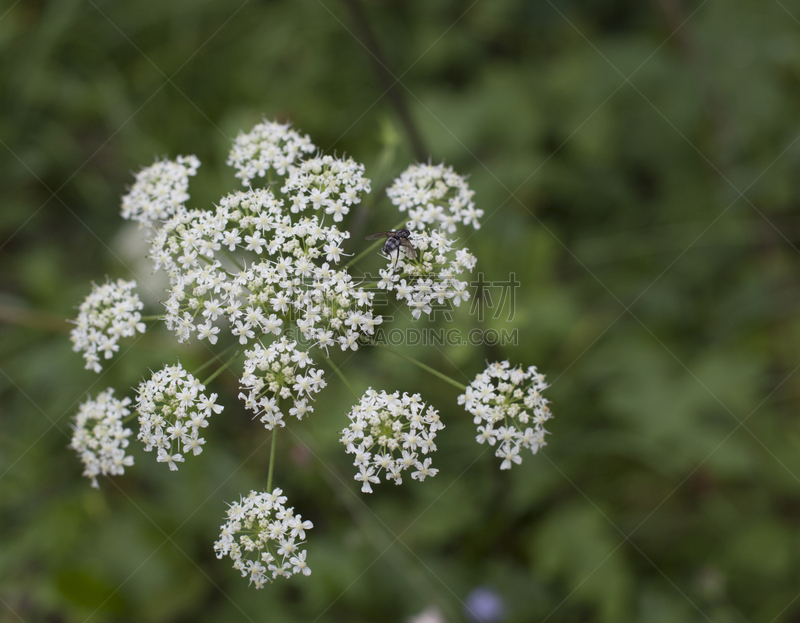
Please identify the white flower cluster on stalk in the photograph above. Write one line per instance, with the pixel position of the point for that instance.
(278, 373)
(268, 259)
(434, 195)
(263, 538)
(326, 183)
(431, 278)
(160, 191)
(253, 264)
(111, 311)
(509, 409)
(268, 145)
(172, 409)
(99, 436)
(387, 433)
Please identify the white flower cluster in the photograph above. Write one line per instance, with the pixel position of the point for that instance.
(508, 406)
(100, 438)
(436, 196)
(326, 183)
(269, 145)
(276, 373)
(160, 191)
(267, 259)
(263, 538)
(187, 248)
(172, 409)
(290, 275)
(387, 433)
(431, 278)
(111, 311)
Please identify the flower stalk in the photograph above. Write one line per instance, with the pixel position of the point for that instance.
(421, 365)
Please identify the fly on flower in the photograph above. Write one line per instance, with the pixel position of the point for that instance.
(396, 241)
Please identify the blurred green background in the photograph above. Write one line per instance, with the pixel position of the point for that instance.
(637, 163)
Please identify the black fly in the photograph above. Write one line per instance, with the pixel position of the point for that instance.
(396, 241)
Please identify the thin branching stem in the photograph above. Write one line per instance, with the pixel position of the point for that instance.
(272, 458)
(341, 376)
(216, 357)
(419, 364)
(221, 368)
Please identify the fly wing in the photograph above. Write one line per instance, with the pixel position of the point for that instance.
(408, 248)
(380, 234)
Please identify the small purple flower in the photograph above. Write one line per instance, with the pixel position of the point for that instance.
(484, 605)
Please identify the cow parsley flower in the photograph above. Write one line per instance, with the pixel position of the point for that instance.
(263, 538)
(267, 258)
(160, 190)
(172, 409)
(434, 196)
(328, 184)
(275, 374)
(269, 145)
(431, 279)
(287, 273)
(100, 438)
(509, 409)
(387, 433)
(111, 311)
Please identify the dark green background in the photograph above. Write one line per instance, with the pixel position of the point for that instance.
(637, 163)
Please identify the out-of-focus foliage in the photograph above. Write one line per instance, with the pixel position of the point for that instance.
(638, 165)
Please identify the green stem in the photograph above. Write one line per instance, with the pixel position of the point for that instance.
(371, 247)
(216, 357)
(149, 318)
(341, 376)
(221, 369)
(419, 364)
(272, 458)
(227, 254)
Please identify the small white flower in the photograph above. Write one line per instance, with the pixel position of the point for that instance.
(207, 331)
(261, 536)
(366, 475)
(100, 438)
(299, 564)
(424, 469)
(509, 409)
(384, 435)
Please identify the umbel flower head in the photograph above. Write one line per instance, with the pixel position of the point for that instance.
(429, 280)
(434, 196)
(285, 245)
(275, 374)
(263, 538)
(387, 433)
(100, 438)
(111, 311)
(160, 190)
(326, 183)
(509, 409)
(172, 409)
(269, 145)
